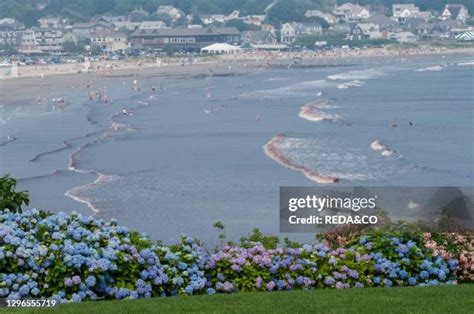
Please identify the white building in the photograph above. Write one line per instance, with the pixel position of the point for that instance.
(365, 31)
(292, 31)
(171, 11)
(401, 12)
(52, 22)
(85, 30)
(404, 37)
(349, 12)
(49, 39)
(152, 25)
(28, 42)
(11, 24)
(109, 40)
(328, 17)
(222, 19)
(126, 25)
(454, 12)
(465, 36)
(257, 20)
(213, 18)
(220, 48)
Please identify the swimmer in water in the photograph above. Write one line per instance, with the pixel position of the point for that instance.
(410, 123)
(124, 111)
(258, 118)
(393, 124)
(153, 88)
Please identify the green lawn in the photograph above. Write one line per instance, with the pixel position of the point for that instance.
(440, 299)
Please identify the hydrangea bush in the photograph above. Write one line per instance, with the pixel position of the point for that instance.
(454, 245)
(83, 258)
(76, 258)
(372, 261)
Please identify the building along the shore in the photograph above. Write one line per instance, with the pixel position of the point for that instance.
(110, 41)
(191, 39)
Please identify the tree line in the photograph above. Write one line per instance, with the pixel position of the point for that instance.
(278, 11)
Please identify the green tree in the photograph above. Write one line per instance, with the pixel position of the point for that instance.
(290, 11)
(72, 47)
(241, 26)
(317, 19)
(9, 198)
(196, 20)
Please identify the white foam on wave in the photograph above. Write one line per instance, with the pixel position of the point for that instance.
(381, 147)
(274, 79)
(377, 145)
(432, 68)
(213, 109)
(312, 111)
(466, 63)
(389, 153)
(350, 84)
(76, 192)
(367, 74)
(272, 150)
(290, 90)
(328, 161)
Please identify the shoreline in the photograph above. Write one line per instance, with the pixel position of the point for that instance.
(232, 64)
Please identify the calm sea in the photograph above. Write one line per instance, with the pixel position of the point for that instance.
(191, 153)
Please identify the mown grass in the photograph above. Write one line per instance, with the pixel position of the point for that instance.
(439, 299)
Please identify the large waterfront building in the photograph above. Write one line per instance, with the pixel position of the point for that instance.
(183, 38)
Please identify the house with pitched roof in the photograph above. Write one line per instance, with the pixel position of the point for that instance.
(292, 31)
(454, 12)
(349, 12)
(365, 31)
(402, 12)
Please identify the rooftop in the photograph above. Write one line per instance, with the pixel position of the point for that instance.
(185, 32)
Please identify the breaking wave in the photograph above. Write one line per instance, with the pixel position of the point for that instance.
(76, 192)
(115, 128)
(381, 147)
(432, 68)
(466, 63)
(312, 111)
(350, 84)
(368, 74)
(272, 150)
(213, 109)
(295, 89)
(327, 161)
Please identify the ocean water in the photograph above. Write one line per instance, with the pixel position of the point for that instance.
(192, 153)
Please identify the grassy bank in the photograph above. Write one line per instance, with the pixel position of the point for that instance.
(438, 299)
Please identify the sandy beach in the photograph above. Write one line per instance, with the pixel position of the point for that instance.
(224, 64)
